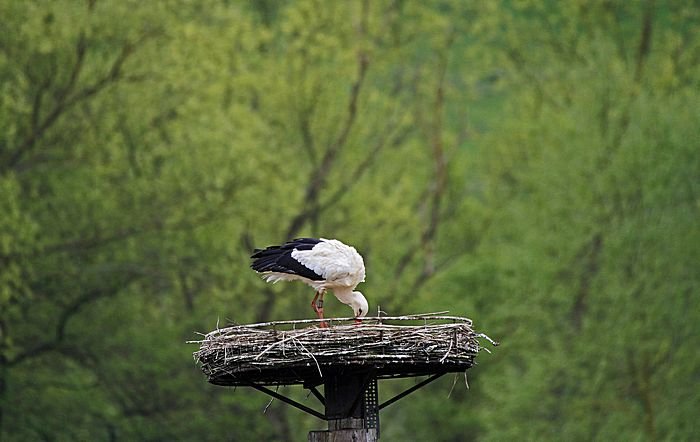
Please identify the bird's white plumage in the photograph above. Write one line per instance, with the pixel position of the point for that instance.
(327, 265)
(275, 277)
(340, 265)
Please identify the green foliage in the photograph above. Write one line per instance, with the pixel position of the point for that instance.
(530, 164)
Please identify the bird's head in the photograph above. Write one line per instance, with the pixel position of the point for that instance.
(359, 306)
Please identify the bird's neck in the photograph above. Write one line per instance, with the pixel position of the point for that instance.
(344, 295)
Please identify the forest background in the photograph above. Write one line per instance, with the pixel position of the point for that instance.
(531, 164)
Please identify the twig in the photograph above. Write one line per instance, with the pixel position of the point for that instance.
(265, 353)
(447, 353)
(494, 343)
(274, 344)
(454, 382)
(312, 357)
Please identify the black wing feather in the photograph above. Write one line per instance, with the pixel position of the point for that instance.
(279, 259)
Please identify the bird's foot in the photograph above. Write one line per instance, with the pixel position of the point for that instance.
(322, 324)
(317, 305)
(319, 312)
(358, 321)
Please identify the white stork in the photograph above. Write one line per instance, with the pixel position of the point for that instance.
(324, 264)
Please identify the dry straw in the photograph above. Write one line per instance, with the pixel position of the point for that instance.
(300, 352)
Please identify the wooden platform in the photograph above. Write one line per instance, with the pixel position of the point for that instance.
(300, 352)
(345, 358)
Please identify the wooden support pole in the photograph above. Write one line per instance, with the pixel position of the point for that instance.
(344, 430)
(347, 360)
(345, 409)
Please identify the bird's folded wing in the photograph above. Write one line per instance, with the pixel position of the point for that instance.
(333, 260)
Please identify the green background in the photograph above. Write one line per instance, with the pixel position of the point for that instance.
(533, 165)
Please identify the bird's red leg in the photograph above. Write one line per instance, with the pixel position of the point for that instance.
(317, 305)
(313, 302)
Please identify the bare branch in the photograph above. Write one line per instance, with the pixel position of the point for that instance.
(643, 50)
(154, 224)
(319, 174)
(359, 170)
(645, 36)
(36, 106)
(305, 116)
(38, 129)
(66, 98)
(436, 189)
(590, 254)
(70, 311)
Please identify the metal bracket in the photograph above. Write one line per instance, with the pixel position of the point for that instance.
(368, 379)
(371, 406)
(411, 390)
(316, 393)
(287, 400)
(368, 392)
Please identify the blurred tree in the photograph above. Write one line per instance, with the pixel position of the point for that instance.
(529, 163)
(593, 175)
(147, 148)
(113, 213)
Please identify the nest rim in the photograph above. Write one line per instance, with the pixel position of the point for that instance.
(279, 353)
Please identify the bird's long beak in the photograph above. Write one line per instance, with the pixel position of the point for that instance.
(358, 321)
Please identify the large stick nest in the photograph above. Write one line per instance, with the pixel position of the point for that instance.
(300, 352)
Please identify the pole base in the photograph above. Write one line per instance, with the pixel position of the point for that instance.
(348, 435)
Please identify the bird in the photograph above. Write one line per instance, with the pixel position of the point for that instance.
(324, 264)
